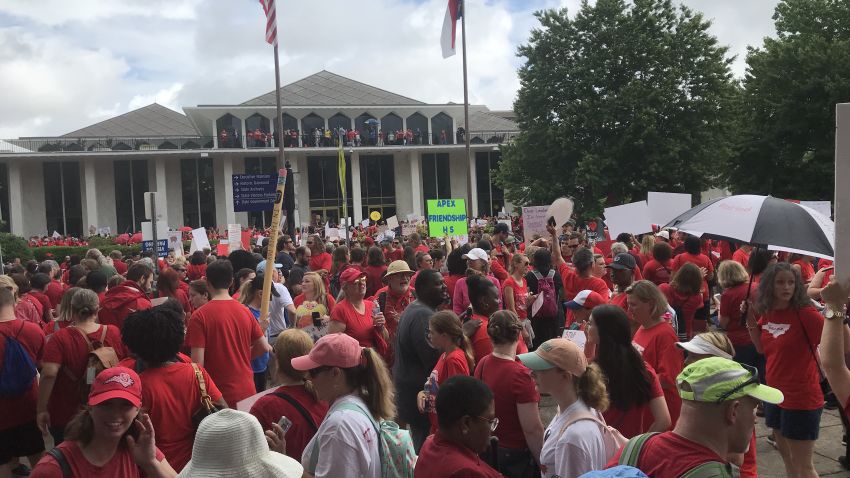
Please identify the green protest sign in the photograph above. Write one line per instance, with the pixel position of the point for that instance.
(447, 217)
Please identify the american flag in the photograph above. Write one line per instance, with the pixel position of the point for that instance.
(271, 21)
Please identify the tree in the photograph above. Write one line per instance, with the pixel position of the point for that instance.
(620, 100)
(786, 145)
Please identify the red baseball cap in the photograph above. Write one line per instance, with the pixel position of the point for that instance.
(587, 299)
(116, 382)
(350, 275)
(332, 350)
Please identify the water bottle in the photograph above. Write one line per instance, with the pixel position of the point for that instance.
(376, 309)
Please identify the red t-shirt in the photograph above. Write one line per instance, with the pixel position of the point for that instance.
(55, 291)
(657, 345)
(270, 408)
(656, 272)
(195, 272)
(20, 410)
(512, 385)
(687, 304)
(422, 248)
(481, 344)
(374, 274)
(448, 365)
(121, 465)
(321, 261)
(42, 298)
(520, 295)
(357, 325)
(54, 326)
(69, 349)
(120, 267)
(450, 281)
(226, 330)
(807, 271)
(440, 458)
(635, 420)
(573, 283)
(730, 306)
(621, 300)
(741, 257)
(790, 365)
(669, 455)
(171, 395)
(395, 255)
(700, 260)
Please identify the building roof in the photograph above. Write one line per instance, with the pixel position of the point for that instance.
(328, 89)
(149, 121)
(488, 121)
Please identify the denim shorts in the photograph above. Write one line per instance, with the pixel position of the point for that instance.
(793, 424)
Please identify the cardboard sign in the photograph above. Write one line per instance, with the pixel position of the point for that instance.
(200, 241)
(408, 229)
(364, 223)
(576, 336)
(534, 222)
(392, 222)
(447, 217)
(234, 237)
(633, 218)
(175, 242)
(595, 230)
(664, 207)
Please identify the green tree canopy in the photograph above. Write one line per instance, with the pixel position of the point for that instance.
(617, 101)
(786, 145)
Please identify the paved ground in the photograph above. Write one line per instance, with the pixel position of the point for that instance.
(827, 449)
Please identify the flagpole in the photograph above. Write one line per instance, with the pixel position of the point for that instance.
(466, 133)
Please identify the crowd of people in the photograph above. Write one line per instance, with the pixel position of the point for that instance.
(369, 135)
(658, 353)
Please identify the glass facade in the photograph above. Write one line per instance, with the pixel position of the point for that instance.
(198, 184)
(254, 124)
(491, 198)
(441, 129)
(367, 125)
(436, 178)
(338, 121)
(419, 124)
(62, 199)
(377, 185)
(131, 183)
(266, 165)
(323, 185)
(229, 131)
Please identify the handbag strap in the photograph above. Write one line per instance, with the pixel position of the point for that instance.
(65, 368)
(205, 397)
(809, 343)
(292, 401)
(64, 466)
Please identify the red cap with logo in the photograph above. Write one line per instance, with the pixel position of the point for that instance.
(116, 382)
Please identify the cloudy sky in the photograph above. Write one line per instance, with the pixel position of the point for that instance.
(66, 64)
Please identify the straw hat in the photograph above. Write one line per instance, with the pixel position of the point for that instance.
(231, 443)
(397, 267)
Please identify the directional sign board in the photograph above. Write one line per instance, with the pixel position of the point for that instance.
(162, 249)
(254, 192)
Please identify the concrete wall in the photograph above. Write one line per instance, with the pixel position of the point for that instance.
(174, 192)
(32, 198)
(458, 167)
(104, 177)
(403, 184)
(220, 200)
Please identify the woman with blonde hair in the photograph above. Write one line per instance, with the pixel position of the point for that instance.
(296, 398)
(251, 296)
(357, 385)
(24, 309)
(735, 281)
(446, 335)
(655, 339)
(313, 299)
(646, 245)
(575, 441)
(64, 316)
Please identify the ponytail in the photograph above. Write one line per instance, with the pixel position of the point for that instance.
(371, 381)
(466, 345)
(591, 388)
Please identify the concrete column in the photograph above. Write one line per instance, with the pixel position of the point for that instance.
(215, 135)
(161, 190)
(90, 212)
(271, 130)
(415, 181)
(430, 138)
(356, 194)
(473, 193)
(227, 173)
(452, 135)
(16, 200)
(243, 135)
(404, 123)
(300, 134)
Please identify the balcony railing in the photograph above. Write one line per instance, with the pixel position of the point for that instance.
(83, 145)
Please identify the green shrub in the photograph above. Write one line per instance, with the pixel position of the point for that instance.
(14, 247)
(59, 252)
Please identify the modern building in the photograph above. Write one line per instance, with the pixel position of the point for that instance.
(96, 176)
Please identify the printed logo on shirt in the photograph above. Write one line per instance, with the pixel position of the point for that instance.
(776, 329)
(123, 379)
(638, 347)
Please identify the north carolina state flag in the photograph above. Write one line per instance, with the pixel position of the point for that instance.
(447, 40)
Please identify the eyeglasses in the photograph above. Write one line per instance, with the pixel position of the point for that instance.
(312, 373)
(494, 422)
(753, 380)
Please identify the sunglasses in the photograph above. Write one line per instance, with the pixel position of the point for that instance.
(753, 380)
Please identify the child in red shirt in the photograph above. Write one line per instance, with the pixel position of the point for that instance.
(444, 329)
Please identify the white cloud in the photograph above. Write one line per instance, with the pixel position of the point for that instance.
(165, 97)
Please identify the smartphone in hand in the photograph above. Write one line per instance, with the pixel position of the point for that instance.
(285, 423)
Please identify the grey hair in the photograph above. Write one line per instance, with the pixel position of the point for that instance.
(618, 248)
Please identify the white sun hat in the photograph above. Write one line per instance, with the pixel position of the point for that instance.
(231, 443)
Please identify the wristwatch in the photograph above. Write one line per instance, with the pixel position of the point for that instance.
(829, 313)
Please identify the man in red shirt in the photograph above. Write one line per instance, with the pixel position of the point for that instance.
(118, 262)
(719, 398)
(224, 337)
(127, 297)
(742, 255)
(622, 273)
(394, 251)
(55, 289)
(40, 282)
(19, 434)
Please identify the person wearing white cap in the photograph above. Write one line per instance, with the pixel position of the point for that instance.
(232, 443)
(477, 261)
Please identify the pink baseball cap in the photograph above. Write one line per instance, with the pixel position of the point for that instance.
(116, 382)
(332, 350)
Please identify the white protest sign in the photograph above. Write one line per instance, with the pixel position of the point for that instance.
(534, 222)
(408, 229)
(365, 223)
(664, 207)
(147, 230)
(392, 222)
(561, 210)
(461, 239)
(823, 207)
(56, 235)
(199, 237)
(633, 218)
(175, 242)
(575, 336)
(842, 193)
(341, 233)
(234, 237)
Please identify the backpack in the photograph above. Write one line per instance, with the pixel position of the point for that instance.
(398, 458)
(709, 469)
(546, 286)
(611, 437)
(100, 358)
(18, 370)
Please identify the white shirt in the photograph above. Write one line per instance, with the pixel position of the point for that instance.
(578, 450)
(348, 444)
(277, 321)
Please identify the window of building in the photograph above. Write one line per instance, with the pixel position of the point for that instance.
(310, 123)
(229, 131)
(323, 184)
(338, 121)
(131, 183)
(436, 178)
(289, 123)
(257, 123)
(367, 125)
(266, 165)
(491, 198)
(419, 124)
(198, 184)
(5, 225)
(441, 129)
(377, 185)
(391, 122)
(62, 199)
